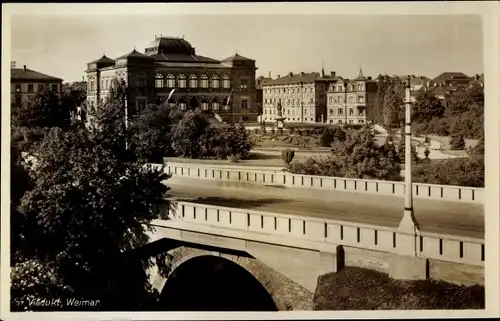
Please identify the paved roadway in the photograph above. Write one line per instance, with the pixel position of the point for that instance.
(462, 219)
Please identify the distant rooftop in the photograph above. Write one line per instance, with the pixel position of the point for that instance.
(28, 74)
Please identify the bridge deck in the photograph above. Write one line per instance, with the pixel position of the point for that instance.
(454, 218)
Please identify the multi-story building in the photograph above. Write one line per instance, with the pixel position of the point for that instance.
(302, 97)
(225, 87)
(351, 101)
(25, 82)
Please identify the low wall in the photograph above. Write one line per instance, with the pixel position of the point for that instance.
(318, 234)
(429, 191)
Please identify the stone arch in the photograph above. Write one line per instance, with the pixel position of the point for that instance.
(277, 286)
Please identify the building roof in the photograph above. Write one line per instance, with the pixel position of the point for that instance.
(435, 90)
(237, 57)
(360, 76)
(292, 78)
(191, 64)
(415, 80)
(103, 60)
(447, 76)
(28, 74)
(174, 57)
(169, 45)
(134, 54)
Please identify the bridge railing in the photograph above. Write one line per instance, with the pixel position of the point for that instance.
(441, 247)
(420, 190)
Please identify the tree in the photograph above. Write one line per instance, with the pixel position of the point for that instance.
(187, 134)
(44, 109)
(360, 157)
(151, 133)
(393, 103)
(382, 86)
(287, 155)
(89, 206)
(426, 107)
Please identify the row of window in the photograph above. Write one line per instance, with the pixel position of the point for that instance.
(290, 119)
(350, 121)
(31, 88)
(193, 81)
(287, 111)
(289, 102)
(288, 90)
(340, 112)
(340, 99)
(352, 87)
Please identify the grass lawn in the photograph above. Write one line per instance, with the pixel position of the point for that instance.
(355, 288)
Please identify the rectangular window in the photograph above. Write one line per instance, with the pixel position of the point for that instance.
(351, 112)
(340, 121)
(54, 88)
(361, 99)
(244, 104)
(361, 121)
(244, 84)
(351, 121)
(340, 111)
(30, 88)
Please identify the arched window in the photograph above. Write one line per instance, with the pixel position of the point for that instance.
(215, 103)
(193, 81)
(159, 81)
(182, 104)
(171, 81)
(204, 81)
(226, 83)
(350, 99)
(204, 103)
(331, 112)
(215, 81)
(182, 81)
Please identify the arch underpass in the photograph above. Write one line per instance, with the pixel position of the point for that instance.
(211, 283)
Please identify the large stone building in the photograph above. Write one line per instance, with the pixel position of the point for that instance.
(351, 101)
(302, 96)
(24, 83)
(172, 63)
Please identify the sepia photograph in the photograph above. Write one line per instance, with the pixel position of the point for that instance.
(184, 162)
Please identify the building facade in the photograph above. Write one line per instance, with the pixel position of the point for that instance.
(302, 97)
(24, 83)
(224, 87)
(351, 101)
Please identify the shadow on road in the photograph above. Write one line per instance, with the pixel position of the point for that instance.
(235, 202)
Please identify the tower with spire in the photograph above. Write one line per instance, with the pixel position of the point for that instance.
(322, 70)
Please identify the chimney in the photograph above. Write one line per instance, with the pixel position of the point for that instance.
(332, 74)
(269, 74)
(302, 74)
(278, 76)
(24, 67)
(370, 78)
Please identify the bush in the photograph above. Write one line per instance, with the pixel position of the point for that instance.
(273, 131)
(291, 130)
(467, 171)
(307, 132)
(287, 155)
(256, 131)
(299, 132)
(457, 142)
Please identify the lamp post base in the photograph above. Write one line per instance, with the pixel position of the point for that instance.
(408, 222)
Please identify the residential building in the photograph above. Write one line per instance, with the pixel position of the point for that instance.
(302, 96)
(450, 79)
(351, 101)
(172, 63)
(24, 83)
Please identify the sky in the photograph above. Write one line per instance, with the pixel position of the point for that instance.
(62, 45)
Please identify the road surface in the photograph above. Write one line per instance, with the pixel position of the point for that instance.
(454, 218)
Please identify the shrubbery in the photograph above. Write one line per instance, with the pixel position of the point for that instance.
(355, 157)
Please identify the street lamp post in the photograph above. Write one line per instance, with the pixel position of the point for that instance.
(408, 222)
